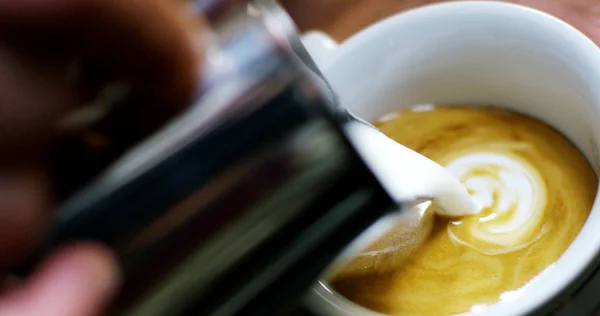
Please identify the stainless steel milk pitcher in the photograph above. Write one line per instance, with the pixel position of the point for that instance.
(237, 205)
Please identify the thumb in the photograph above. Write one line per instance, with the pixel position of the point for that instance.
(76, 281)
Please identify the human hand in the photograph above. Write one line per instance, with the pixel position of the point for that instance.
(48, 48)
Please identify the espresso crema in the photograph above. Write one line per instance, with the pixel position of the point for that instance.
(533, 190)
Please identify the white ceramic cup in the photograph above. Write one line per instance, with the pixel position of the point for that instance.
(475, 53)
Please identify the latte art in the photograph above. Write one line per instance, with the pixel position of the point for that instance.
(510, 195)
(533, 191)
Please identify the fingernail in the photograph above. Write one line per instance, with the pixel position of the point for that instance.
(105, 270)
(92, 265)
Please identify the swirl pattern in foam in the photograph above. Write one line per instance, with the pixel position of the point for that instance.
(535, 191)
(510, 195)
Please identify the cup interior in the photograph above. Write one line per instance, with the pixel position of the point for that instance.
(480, 54)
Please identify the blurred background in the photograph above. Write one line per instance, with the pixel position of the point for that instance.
(343, 18)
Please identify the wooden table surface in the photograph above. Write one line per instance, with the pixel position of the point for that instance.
(342, 18)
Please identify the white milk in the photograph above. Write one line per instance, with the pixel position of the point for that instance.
(408, 175)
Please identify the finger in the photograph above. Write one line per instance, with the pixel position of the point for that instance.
(77, 281)
(32, 98)
(9, 283)
(148, 41)
(23, 212)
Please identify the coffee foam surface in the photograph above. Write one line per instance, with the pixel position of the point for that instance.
(510, 197)
(533, 190)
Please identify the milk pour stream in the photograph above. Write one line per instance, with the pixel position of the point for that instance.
(408, 175)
